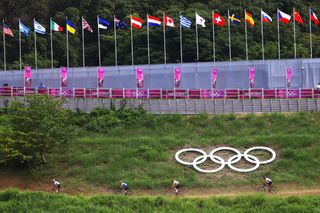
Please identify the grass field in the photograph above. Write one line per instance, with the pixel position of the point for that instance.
(15, 201)
(143, 154)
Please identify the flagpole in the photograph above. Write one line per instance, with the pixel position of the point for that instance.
(83, 55)
(115, 40)
(310, 32)
(67, 46)
(35, 47)
(197, 37)
(20, 59)
(132, 60)
(148, 38)
(294, 35)
(279, 51)
(51, 44)
(246, 33)
(4, 49)
(164, 40)
(229, 35)
(262, 37)
(181, 56)
(99, 51)
(213, 39)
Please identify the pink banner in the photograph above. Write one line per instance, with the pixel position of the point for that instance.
(214, 77)
(251, 77)
(27, 76)
(139, 77)
(177, 77)
(64, 76)
(100, 76)
(288, 76)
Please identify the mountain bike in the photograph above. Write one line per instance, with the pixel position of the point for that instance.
(267, 188)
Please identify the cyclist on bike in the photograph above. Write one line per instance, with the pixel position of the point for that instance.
(267, 182)
(124, 187)
(175, 185)
(56, 186)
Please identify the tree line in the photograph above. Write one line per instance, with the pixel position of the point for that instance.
(42, 10)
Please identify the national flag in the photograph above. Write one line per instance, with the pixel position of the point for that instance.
(86, 26)
(136, 22)
(168, 21)
(249, 19)
(38, 28)
(297, 17)
(7, 30)
(314, 18)
(200, 20)
(154, 21)
(218, 20)
(24, 29)
(283, 17)
(55, 27)
(265, 17)
(234, 19)
(119, 24)
(184, 22)
(70, 27)
(103, 24)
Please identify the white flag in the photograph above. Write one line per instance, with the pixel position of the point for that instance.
(38, 28)
(200, 20)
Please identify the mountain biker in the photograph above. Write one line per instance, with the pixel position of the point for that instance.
(267, 182)
(175, 185)
(55, 186)
(124, 187)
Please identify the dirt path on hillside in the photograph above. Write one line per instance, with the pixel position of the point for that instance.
(10, 181)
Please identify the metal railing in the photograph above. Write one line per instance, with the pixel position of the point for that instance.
(125, 93)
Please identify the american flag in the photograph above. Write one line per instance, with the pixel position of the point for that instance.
(85, 25)
(7, 30)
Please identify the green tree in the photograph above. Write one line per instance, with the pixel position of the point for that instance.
(37, 127)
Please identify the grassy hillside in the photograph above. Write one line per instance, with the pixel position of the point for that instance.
(142, 153)
(13, 201)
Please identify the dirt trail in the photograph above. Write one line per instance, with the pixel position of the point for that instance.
(7, 181)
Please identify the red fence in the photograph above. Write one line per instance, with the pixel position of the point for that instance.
(163, 93)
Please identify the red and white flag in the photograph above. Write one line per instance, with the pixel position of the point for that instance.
(85, 25)
(136, 22)
(218, 20)
(283, 17)
(168, 21)
(314, 18)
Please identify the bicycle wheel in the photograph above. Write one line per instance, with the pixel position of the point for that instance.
(272, 189)
(261, 189)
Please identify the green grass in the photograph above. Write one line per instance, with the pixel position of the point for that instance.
(15, 201)
(143, 154)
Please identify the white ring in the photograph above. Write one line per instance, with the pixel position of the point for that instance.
(232, 160)
(189, 150)
(245, 170)
(263, 148)
(195, 165)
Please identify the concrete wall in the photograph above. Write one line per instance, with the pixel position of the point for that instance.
(185, 106)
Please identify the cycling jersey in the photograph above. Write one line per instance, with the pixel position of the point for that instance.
(124, 185)
(268, 180)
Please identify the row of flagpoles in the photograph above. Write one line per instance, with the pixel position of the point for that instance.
(136, 22)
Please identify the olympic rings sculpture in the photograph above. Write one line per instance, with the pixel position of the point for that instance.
(232, 160)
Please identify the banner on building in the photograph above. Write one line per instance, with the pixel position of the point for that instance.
(177, 77)
(100, 76)
(27, 76)
(64, 76)
(214, 77)
(288, 76)
(251, 77)
(139, 77)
